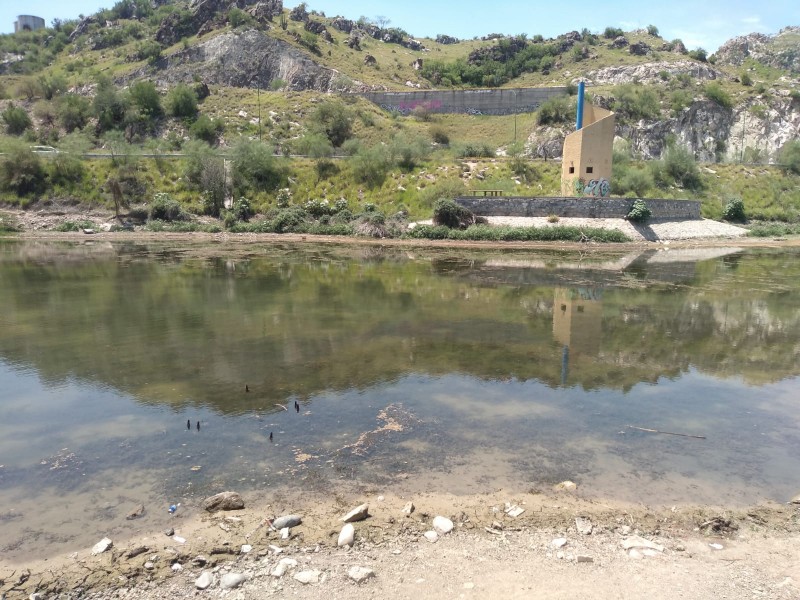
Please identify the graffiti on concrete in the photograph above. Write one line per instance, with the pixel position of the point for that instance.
(597, 188)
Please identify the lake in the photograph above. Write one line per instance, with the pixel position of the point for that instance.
(154, 373)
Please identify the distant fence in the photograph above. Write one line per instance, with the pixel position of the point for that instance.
(593, 208)
(506, 101)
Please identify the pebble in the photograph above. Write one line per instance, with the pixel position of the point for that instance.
(102, 546)
(199, 560)
(442, 525)
(431, 536)
(149, 565)
(584, 559)
(232, 580)
(716, 546)
(246, 548)
(169, 532)
(206, 579)
(283, 565)
(285, 533)
(275, 549)
(514, 511)
(223, 501)
(560, 555)
(359, 513)
(306, 577)
(287, 521)
(469, 585)
(177, 567)
(179, 539)
(559, 542)
(583, 525)
(625, 530)
(347, 536)
(359, 574)
(408, 508)
(565, 486)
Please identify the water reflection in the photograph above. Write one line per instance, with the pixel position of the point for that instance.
(128, 362)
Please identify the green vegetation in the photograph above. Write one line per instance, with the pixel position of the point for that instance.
(734, 210)
(518, 234)
(639, 212)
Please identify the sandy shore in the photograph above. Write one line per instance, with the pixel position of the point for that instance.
(696, 552)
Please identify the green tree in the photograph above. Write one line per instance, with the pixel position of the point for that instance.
(371, 165)
(714, 92)
(634, 102)
(789, 157)
(207, 129)
(182, 102)
(333, 119)
(109, 105)
(52, 85)
(16, 120)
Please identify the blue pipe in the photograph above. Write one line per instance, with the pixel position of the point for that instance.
(579, 118)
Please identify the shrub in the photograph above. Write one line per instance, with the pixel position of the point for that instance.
(16, 120)
(72, 111)
(439, 135)
(632, 180)
(371, 165)
(74, 226)
(699, 54)
(165, 208)
(652, 30)
(288, 220)
(634, 102)
(182, 102)
(678, 167)
(333, 119)
(556, 110)
(144, 95)
(206, 129)
(52, 85)
(242, 209)
(734, 210)
(789, 157)
(680, 99)
(239, 18)
(639, 212)
(149, 50)
(22, 171)
(714, 92)
(255, 167)
(746, 79)
(408, 151)
(475, 150)
(612, 32)
(553, 218)
(108, 105)
(448, 213)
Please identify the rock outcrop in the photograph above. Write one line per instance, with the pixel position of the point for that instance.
(781, 51)
(651, 72)
(246, 58)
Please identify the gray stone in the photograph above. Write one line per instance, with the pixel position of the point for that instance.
(359, 574)
(287, 521)
(442, 525)
(639, 542)
(102, 546)
(408, 508)
(347, 535)
(359, 513)
(223, 501)
(149, 565)
(306, 577)
(584, 559)
(169, 532)
(206, 579)
(136, 513)
(134, 552)
(284, 565)
(583, 525)
(232, 580)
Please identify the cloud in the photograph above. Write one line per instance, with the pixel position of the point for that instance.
(754, 20)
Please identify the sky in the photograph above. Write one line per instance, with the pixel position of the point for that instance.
(705, 24)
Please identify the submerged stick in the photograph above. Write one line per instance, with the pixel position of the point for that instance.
(697, 437)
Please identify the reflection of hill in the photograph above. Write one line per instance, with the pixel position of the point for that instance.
(195, 331)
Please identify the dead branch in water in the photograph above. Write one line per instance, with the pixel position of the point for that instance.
(697, 437)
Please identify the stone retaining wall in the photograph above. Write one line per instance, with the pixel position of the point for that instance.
(594, 208)
(506, 101)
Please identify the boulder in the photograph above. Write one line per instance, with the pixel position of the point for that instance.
(265, 11)
(446, 39)
(417, 64)
(299, 13)
(287, 521)
(353, 42)
(370, 60)
(223, 501)
(315, 27)
(442, 525)
(342, 24)
(639, 49)
(619, 42)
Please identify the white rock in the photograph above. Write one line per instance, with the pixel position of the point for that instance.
(625, 530)
(359, 574)
(149, 565)
(285, 533)
(347, 536)
(408, 508)
(102, 546)
(232, 580)
(469, 585)
(275, 549)
(381, 498)
(716, 546)
(179, 539)
(359, 513)
(285, 564)
(306, 577)
(514, 511)
(559, 542)
(583, 525)
(177, 567)
(634, 553)
(649, 552)
(442, 525)
(639, 542)
(431, 536)
(206, 579)
(246, 548)
(560, 555)
(565, 486)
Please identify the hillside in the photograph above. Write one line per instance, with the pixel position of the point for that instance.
(197, 77)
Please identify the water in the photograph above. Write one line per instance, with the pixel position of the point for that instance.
(444, 371)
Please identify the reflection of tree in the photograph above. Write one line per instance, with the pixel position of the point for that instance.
(167, 329)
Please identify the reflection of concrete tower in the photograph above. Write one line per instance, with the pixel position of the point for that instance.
(28, 23)
(586, 162)
(577, 319)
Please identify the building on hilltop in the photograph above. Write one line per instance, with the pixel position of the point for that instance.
(28, 23)
(586, 162)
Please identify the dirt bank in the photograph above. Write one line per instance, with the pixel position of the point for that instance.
(697, 552)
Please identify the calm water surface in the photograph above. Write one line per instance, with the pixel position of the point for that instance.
(444, 371)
